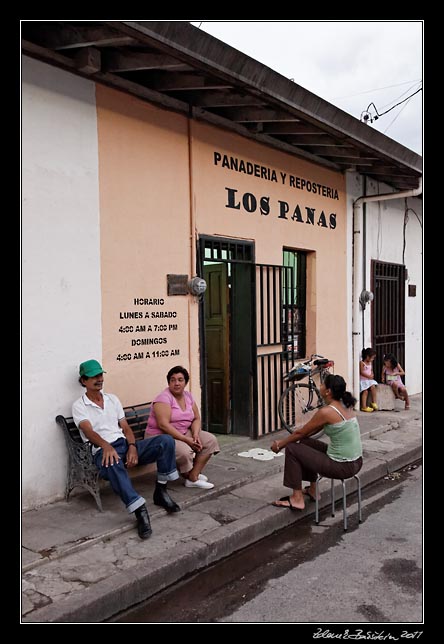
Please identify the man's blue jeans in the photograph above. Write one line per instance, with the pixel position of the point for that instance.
(160, 449)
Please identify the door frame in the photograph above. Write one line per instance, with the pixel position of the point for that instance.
(229, 251)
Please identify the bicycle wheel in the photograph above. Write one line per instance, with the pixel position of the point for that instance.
(295, 405)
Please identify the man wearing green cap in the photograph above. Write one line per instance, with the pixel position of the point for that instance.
(101, 421)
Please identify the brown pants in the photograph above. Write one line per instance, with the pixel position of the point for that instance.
(308, 458)
(185, 455)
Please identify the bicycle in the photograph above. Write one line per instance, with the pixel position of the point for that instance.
(297, 399)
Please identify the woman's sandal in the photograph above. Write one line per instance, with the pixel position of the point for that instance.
(307, 493)
(289, 506)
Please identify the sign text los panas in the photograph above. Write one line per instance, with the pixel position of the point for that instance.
(251, 203)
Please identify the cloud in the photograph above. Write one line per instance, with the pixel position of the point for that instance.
(341, 62)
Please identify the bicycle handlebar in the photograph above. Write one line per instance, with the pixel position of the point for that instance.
(313, 355)
(297, 372)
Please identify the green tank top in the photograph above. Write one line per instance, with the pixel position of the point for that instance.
(345, 440)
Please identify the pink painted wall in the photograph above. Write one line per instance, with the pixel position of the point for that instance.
(144, 235)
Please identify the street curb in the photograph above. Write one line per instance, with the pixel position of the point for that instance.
(125, 589)
(129, 527)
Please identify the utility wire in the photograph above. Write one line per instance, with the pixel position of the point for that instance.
(376, 89)
(405, 105)
(416, 215)
(401, 95)
(366, 116)
(393, 107)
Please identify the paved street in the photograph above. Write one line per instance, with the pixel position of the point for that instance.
(317, 574)
(372, 574)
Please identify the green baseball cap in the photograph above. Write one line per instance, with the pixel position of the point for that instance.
(90, 368)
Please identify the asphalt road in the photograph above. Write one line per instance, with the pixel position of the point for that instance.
(318, 575)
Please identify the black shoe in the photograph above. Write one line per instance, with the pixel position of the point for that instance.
(143, 522)
(161, 497)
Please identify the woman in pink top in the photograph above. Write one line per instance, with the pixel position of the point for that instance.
(391, 375)
(175, 412)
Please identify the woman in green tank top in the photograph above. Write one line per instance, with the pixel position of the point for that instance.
(306, 457)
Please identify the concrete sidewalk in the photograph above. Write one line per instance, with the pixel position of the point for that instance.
(80, 565)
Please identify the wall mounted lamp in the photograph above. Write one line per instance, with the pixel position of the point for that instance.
(197, 286)
(365, 297)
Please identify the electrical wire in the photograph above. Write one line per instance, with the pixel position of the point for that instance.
(365, 115)
(400, 102)
(406, 219)
(416, 215)
(401, 95)
(376, 89)
(391, 123)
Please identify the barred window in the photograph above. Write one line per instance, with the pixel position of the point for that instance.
(294, 302)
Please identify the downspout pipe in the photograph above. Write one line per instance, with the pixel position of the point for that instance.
(358, 285)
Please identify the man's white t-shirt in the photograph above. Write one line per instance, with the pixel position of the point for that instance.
(105, 422)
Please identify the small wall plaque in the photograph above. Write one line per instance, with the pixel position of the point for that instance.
(177, 284)
(412, 290)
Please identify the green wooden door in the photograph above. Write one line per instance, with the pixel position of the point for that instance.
(217, 347)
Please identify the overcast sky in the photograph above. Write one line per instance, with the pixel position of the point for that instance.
(349, 64)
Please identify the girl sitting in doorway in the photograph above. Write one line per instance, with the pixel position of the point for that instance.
(391, 375)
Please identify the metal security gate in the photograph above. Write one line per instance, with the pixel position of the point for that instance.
(388, 312)
(274, 321)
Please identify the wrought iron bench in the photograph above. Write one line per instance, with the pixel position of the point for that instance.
(81, 469)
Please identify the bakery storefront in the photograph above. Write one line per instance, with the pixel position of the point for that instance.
(183, 204)
(266, 231)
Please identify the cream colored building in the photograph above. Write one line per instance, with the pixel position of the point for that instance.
(126, 198)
